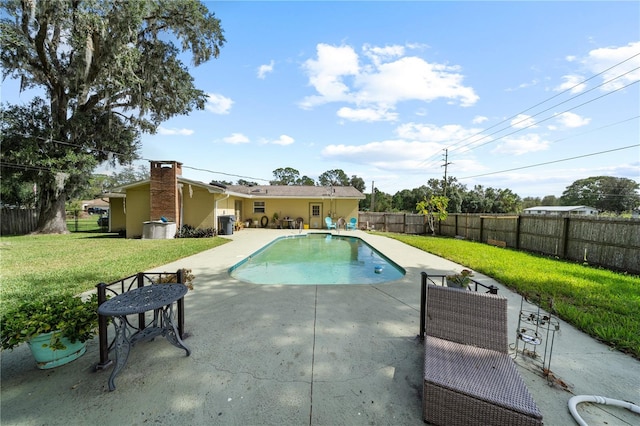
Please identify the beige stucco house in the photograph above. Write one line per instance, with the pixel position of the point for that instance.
(166, 194)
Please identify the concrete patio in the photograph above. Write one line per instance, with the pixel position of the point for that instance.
(296, 355)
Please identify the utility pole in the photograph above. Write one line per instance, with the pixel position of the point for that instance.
(446, 163)
(373, 196)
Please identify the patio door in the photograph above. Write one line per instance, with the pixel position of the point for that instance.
(315, 216)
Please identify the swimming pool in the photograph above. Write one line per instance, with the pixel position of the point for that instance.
(317, 259)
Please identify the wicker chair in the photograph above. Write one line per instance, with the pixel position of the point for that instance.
(469, 377)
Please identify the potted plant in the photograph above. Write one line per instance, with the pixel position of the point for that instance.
(56, 328)
(461, 280)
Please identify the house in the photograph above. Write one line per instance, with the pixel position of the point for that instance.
(562, 210)
(169, 197)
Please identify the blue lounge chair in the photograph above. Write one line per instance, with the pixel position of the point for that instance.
(329, 222)
(352, 224)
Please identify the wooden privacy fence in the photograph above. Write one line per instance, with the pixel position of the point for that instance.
(18, 221)
(612, 243)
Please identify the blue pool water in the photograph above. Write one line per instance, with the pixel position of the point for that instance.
(317, 259)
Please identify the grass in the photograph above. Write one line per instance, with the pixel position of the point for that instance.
(602, 303)
(35, 265)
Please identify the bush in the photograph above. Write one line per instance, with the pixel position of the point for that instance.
(188, 231)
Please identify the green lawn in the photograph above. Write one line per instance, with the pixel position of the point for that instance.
(34, 265)
(604, 304)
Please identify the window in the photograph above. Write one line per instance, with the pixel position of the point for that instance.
(315, 210)
(258, 207)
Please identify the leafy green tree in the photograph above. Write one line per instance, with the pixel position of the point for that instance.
(129, 174)
(335, 177)
(358, 183)
(403, 201)
(532, 202)
(18, 193)
(285, 176)
(244, 182)
(605, 193)
(548, 200)
(434, 208)
(110, 70)
(306, 181)
(506, 201)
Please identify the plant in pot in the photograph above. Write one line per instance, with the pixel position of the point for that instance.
(56, 328)
(461, 280)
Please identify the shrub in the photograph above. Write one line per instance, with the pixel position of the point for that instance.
(188, 231)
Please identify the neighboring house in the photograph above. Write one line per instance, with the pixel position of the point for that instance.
(562, 210)
(166, 194)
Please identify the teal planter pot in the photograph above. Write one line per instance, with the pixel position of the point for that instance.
(47, 358)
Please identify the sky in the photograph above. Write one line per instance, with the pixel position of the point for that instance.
(526, 96)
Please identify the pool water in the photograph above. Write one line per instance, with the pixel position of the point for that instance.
(317, 259)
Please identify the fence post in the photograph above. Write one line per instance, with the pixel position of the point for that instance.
(565, 236)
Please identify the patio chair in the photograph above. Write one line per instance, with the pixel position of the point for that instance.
(352, 224)
(469, 377)
(329, 222)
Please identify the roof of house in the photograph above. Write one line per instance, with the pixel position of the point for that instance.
(560, 208)
(258, 191)
(118, 191)
(295, 191)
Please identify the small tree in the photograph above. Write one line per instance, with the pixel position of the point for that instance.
(434, 208)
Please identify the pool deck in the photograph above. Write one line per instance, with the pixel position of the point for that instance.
(296, 355)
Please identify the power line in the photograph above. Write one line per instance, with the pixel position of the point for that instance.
(551, 162)
(553, 116)
(51, 140)
(543, 102)
(223, 173)
(549, 118)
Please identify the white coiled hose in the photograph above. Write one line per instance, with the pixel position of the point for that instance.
(574, 401)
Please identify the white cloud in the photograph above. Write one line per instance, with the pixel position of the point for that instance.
(236, 138)
(524, 85)
(479, 119)
(218, 104)
(447, 135)
(283, 140)
(522, 121)
(572, 82)
(417, 148)
(603, 58)
(264, 69)
(386, 79)
(387, 155)
(382, 54)
(366, 114)
(174, 131)
(521, 145)
(569, 119)
(327, 72)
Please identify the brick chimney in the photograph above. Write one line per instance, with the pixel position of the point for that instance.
(164, 195)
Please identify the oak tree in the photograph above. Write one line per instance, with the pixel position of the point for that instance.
(109, 70)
